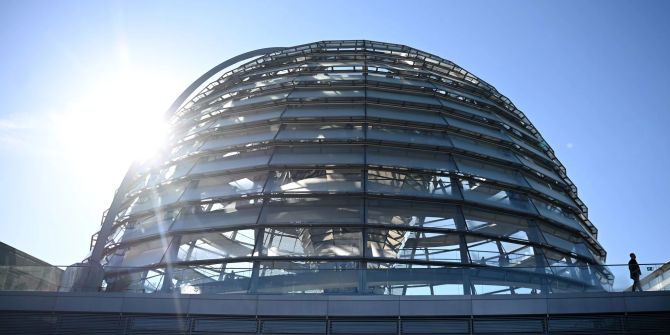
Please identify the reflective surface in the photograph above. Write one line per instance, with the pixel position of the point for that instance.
(348, 167)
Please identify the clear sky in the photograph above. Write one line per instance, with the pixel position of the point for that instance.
(84, 82)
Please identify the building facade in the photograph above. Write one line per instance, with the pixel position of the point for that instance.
(349, 167)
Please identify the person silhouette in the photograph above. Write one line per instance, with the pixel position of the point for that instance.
(635, 273)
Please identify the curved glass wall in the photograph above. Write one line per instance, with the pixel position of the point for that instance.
(352, 167)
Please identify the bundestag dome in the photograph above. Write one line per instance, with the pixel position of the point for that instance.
(348, 167)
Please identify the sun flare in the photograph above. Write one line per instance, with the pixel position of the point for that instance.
(120, 120)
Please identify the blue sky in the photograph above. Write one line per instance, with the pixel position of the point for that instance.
(591, 75)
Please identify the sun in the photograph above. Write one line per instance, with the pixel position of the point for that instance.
(119, 120)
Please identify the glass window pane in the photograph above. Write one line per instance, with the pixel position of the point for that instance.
(478, 191)
(488, 251)
(319, 155)
(569, 242)
(315, 94)
(405, 115)
(186, 148)
(408, 135)
(402, 98)
(249, 117)
(413, 245)
(487, 170)
(231, 161)
(529, 147)
(152, 225)
(163, 196)
(496, 224)
(326, 210)
(414, 279)
(248, 136)
(476, 128)
(226, 185)
(321, 132)
(219, 245)
(411, 213)
(374, 79)
(308, 277)
(263, 99)
(482, 148)
(312, 242)
(410, 183)
(214, 278)
(319, 112)
(467, 110)
(527, 161)
(407, 158)
(219, 215)
(557, 214)
(316, 180)
(553, 191)
(145, 253)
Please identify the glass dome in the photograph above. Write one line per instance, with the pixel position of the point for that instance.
(350, 167)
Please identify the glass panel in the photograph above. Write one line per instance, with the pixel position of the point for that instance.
(311, 94)
(316, 180)
(319, 112)
(327, 78)
(480, 168)
(374, 79)
(482, 148)
(488, 251)
(248, 136)
(467, 109)
(163, 196)
(529, 147)
(219, 215)
(411, 213)
(553, 191)
(226, 185)
(474, 190)
(527, 161)
(496, 224)
(319, 155)
(476, 128)
(149, 226)
(558, 214)
(145, 253)
(214, 278)
(308, 277)
(254, 116)
(261, 83)
(410, 183)
(407, 115)
(413, 245)
(565, 240)
(264, 99)
(186, 148)
(312, 242)
(408, 135)
(567, 267)
(172, 171)
(414, 279)
(232, 160)
(326, 210)
(219, 245)
(402, 98)
(412, 159)
(321, 132)
(188, 127)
